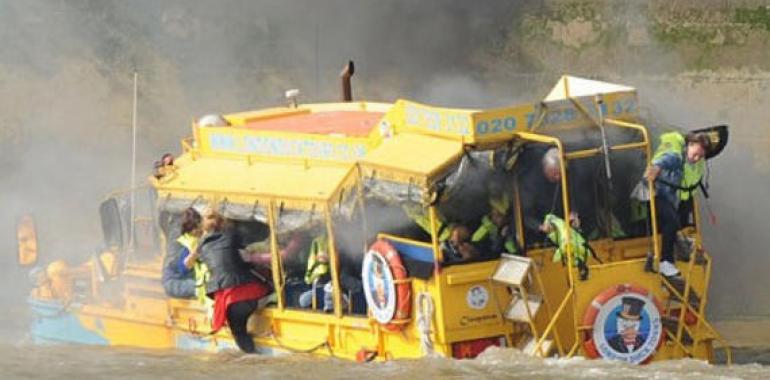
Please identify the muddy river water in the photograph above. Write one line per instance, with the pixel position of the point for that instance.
(23, 361)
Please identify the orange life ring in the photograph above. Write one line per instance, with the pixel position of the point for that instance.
(380, 286)
(630, 303)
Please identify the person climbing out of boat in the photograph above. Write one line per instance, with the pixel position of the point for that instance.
(235, 289)
(674, 153)
(178, 279)
(495, 235)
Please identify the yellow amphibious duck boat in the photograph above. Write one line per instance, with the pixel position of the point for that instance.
(395, 189)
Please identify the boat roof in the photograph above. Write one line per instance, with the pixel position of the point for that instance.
(575, 87)
(241, 181)
(412, 156)
(308, 151)
(340, 123)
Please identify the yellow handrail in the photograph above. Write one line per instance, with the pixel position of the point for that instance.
(702, 319)
(554, 319)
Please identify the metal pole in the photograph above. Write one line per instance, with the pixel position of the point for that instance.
(317, 62)
(133, 166)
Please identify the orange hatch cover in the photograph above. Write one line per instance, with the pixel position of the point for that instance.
(348, 123)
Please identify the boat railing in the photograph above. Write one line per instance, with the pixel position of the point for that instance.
(686, 307)
(188, 147)
(550, 328)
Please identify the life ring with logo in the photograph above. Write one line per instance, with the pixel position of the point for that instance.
(387, 287)
(623, 322)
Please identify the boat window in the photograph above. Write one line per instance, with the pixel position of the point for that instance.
(475, 205)
(395, 209)
(539, 192)
(601, 201)
(350, 242)
(303, 246)
(112, 227)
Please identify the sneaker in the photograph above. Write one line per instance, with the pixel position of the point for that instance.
(668, 269)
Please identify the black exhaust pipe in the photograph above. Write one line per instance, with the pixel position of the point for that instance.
(347, 72)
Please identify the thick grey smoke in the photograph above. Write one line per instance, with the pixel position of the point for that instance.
(66, 69)
(65, 86)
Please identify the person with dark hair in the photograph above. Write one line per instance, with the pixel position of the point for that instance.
(161, 167)
(178, 278)
(458, 247)
(674, 168)
(236, 290)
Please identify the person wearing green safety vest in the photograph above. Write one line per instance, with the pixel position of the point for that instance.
(556, 230)
(318, 260)
(191, 260)
(317, 273)
(495, 236)
(420, 216)
(669, 171)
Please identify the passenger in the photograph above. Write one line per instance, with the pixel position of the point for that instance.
(667, 170)
(235, 289)
(420, 216)
(259, 254)
(458, 247)
(540, 193)
(178, 279)
(495, 236)
(161, 167)
(317, 272)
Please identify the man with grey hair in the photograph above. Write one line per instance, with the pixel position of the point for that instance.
(540, 173)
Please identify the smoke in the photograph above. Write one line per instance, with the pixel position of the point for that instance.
(738, 178)
(66, 70)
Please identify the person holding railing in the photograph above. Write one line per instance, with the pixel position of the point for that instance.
(667, 171)
(236, 290)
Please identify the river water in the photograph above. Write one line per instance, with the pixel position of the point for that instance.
(22, 361)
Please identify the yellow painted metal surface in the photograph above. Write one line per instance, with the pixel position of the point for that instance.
(240, 179)
(414, 156)
(412, 144)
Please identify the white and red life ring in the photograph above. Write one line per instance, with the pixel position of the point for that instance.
(624, 324)
(386, 286)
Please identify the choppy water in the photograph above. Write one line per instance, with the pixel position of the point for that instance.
(22, 360)
(77, 362)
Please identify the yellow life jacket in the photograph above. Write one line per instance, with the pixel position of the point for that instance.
(422, 219)
(489, 230)
(558, 236)
(316, 268)
(674, 142)
(201, 271)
